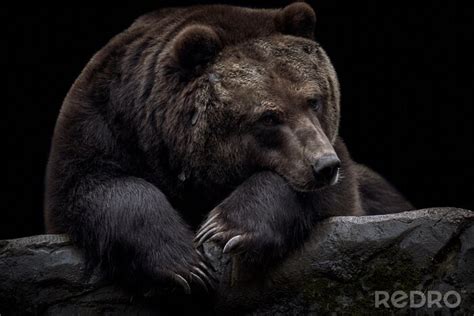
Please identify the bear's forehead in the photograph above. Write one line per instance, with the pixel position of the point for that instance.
(282, 56)
(256, 68)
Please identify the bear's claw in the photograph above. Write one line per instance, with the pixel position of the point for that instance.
(205, 232)
(233, 243)
(183, 283)
(208, 268)
(200, 281)
(217, 236)
(214, 230)
(209, 220)
(209, 279)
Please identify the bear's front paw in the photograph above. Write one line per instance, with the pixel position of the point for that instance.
(183, 270)
(251, 239)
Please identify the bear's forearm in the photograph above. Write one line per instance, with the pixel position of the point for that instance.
(128, 226)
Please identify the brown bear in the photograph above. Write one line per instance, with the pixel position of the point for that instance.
(218, 117)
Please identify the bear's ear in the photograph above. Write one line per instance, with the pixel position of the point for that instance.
(195, 45)
(297, 19)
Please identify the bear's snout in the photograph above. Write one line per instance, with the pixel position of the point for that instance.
(326, 170)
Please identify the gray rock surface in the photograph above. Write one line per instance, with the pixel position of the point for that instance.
(339, 269)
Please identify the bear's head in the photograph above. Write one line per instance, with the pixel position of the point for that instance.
(266, 103)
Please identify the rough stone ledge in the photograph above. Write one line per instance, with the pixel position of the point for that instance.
(339, 269)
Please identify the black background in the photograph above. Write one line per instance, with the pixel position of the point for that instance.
(405, 71)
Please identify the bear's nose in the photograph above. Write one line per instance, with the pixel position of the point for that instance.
(325, 170)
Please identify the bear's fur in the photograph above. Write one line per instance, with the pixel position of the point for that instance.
(213, 114)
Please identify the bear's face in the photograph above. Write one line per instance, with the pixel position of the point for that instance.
(264, 103)
(280, 99)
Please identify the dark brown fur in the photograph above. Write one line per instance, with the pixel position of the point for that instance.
(166, 126)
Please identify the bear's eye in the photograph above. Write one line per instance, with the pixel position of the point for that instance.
(315, 104)
(270, 119)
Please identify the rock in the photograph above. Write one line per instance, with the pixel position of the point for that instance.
(338, 270)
